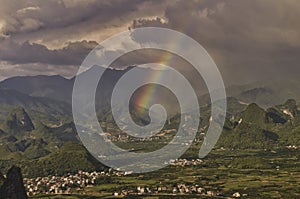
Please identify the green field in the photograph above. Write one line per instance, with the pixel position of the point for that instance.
(256, 174)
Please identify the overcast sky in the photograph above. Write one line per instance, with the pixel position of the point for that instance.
(249, 40)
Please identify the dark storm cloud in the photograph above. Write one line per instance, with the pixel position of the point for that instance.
(55, 22)
(252, 38)
(21, 16)
(72, 54)
(249, 23)
(52, 35)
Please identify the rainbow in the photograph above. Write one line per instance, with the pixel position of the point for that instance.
(148, 94)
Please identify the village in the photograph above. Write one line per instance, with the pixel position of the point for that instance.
(61, 184)
(76, 183)
(179, 189)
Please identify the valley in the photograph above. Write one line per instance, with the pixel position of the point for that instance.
(257, 154)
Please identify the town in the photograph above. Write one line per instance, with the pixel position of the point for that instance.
(70, 182)
(78, 182)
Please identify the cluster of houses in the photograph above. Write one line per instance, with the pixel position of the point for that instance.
(118, 136)
(291, 147)
(179, 189)
(63, 184)
(185, 162)
(74, 183)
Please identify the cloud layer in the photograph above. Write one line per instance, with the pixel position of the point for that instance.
(62, 32)
(249, 40)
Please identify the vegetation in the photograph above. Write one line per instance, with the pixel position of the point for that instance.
(256, 154)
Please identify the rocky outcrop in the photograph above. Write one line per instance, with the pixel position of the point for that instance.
(13, 187)
(1, 179)
(2, 133)
(19, 121)
(283, 113)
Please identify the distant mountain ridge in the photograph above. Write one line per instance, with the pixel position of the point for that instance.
(53, 87)
(265, 94)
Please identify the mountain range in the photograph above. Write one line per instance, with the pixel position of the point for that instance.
(37, 132)
(56, 149)
(53, 94)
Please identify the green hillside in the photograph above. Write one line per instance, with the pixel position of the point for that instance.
(41, 148)
(70, 158)
(256, 128)
(41, 108)
(250, 131)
